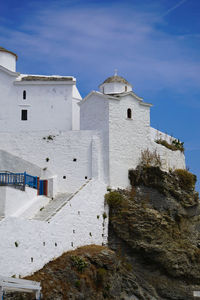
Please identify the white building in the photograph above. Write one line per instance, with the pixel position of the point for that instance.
(79, 146)
(35, 102)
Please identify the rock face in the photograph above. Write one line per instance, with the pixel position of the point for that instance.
(154, 246)
(156, 228)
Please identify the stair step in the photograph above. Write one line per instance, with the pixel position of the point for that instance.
(53, 205)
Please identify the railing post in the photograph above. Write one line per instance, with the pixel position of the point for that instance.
(24, 181)
(38, 185)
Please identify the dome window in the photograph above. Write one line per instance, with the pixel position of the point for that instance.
(129, 113)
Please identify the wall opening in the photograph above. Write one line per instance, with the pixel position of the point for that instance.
(24, 115)
(129, 113)
(125, 88)
(24, 95)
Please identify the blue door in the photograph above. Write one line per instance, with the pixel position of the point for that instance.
(43, 187)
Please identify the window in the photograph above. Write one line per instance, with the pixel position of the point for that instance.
(24, 95)
(125, 88)
(129, 113)
(24, 115)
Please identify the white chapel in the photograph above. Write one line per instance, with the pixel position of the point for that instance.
(58, 155)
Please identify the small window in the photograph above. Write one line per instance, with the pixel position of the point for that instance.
(125, 88)
(24, 115)
(24, 95)
(129, 113)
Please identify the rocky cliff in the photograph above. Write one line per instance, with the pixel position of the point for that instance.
(156, 227)
(153, 251)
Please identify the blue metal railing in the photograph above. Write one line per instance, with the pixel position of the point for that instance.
(18, 180)
(30, 180)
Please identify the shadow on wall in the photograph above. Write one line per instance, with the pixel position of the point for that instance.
(12, 163)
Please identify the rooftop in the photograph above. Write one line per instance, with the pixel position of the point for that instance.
(46, 78)
(116, 78)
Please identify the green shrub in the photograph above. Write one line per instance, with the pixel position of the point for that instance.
(187, 180)
(174, 146)
(114, 199)
(79, 263)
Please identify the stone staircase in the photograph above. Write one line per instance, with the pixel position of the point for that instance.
(55, 205)
(45, 213)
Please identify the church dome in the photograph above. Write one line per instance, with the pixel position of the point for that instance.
(116, 78)
(115, 85)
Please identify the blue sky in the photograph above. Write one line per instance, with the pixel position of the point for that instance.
(154, 44)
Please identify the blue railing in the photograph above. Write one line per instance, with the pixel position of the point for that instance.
(18, 180)
(30, 180)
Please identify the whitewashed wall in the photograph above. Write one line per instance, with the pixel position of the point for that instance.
(127, 137)
(48, 104)
(12, 200)
(12, 163)
(170, 159)
(157, 134)
(33, 243)
(94, 115)
(68, 155)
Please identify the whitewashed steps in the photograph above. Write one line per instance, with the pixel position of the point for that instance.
(52, 207)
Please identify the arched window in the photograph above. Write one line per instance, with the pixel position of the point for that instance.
(129, 113)
(24, 95)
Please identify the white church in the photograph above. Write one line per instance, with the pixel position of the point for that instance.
(77, 148)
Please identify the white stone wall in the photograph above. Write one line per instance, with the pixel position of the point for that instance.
(170, 159)
(68, 155)
(12, 163)
(94, 115)
(32, 244)
(12, 200)
(157, 134)
(50, 105)
(127, 137)
(8, 61)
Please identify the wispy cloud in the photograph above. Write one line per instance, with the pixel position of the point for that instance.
(174, 7)
(72, 39)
